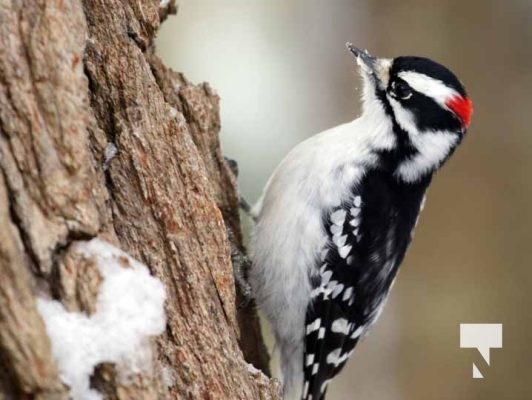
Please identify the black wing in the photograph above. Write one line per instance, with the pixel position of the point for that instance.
(332, 325)
(368, 237)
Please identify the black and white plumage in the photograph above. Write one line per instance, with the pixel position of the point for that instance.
(337, 215)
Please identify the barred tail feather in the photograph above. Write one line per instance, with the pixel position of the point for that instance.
(320, 342)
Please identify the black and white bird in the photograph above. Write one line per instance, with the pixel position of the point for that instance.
(337, 215)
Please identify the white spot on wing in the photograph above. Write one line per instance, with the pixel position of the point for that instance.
(337, 290)
(355, 211)
(344, 251)
(332, 285)
(339, 241)
(310, 359)
(347, 293)
(325, 277)
(321, 333)
(315, 369)
(338, 217)
(336, 229)
(336, 357)
(341, 325)
(354, 222)
(313, 326)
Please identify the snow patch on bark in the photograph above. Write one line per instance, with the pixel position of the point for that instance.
(167, 377)
(129, 309)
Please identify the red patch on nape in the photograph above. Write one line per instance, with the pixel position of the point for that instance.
(462, 107)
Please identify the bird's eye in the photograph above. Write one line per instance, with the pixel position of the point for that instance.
(401, 90)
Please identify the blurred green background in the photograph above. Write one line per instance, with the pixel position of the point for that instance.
(283, 74)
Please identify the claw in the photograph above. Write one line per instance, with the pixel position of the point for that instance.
(245, 292)
(233, 166)
(241, 265)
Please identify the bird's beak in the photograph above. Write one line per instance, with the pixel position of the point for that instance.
(377, 68)
(366, 61)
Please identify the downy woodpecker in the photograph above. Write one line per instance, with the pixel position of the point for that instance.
(338, 214)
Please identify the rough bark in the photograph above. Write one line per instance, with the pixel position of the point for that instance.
(79, 80)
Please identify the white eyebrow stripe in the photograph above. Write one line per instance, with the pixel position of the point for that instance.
(428, 86)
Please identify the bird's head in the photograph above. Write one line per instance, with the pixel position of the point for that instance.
(425, 103)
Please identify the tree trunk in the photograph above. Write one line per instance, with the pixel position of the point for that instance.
(99, 139)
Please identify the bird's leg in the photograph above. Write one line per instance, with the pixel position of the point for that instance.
(241, 266)
(241, 263)
(242, 202)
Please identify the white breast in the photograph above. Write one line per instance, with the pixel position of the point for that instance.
(315, 177)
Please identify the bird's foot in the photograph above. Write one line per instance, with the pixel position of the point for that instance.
(241, 266)
(242, 202)
(233, 166)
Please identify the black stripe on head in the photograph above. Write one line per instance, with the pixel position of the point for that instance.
(430, 116)
(404, 148)
(429, 68)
